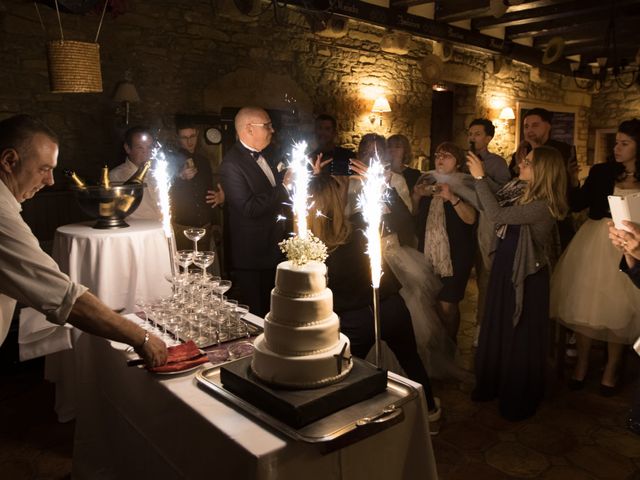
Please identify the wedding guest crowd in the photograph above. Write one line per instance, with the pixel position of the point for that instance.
(511, 221)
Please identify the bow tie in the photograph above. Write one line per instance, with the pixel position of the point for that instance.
(255, 154)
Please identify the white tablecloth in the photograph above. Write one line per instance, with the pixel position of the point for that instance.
(119, 266)
(133, 424)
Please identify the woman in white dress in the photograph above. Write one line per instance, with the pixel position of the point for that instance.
(589, 294)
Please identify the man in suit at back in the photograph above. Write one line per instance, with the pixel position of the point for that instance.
(255, 196)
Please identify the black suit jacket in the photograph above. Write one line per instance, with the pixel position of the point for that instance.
(593, 194)
(253, 207)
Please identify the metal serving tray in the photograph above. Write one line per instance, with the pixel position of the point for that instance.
(336, 430)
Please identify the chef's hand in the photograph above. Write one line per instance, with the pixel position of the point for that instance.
(153, 352)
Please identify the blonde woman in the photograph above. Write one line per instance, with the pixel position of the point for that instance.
(510, 360)
(350, 281)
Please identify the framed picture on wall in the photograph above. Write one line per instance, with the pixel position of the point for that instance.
(563, 124)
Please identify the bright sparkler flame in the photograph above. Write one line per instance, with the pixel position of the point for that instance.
(163, 182)
(300, 195)
(371, 203)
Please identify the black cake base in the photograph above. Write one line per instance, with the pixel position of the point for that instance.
(298, 408)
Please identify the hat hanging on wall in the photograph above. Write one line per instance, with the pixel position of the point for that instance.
(74, 67)
(444, 50)
(502, 67)
(497, 8)
(396, 42)
(554, 50)
(431, 67)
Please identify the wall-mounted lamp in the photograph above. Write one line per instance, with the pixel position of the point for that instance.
(440, 87)
(125, 94)
(506, 114)
(380, 106)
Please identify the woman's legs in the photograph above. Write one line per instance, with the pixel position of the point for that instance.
(583, 345)
(612, 369)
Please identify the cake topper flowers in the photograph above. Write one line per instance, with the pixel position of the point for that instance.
(300, 251)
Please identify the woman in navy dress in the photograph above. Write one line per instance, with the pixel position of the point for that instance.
(510, 360)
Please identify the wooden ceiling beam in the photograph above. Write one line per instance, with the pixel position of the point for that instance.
(534, 4)
(563, 26)
(455, 10)
(408, 3)
(554, 12)
(427, 28)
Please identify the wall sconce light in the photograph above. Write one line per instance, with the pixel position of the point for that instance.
(125, 94)
(507, 114)
(380, 106)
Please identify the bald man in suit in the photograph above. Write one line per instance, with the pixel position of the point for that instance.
(255, 198)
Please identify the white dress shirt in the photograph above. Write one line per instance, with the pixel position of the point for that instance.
(27, 274)
(148, 208)
(264, 166)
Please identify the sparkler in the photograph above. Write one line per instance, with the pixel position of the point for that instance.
(301, 179)
(371, 203)
(163, 181)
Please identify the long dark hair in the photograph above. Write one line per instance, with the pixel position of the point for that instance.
(632, 129)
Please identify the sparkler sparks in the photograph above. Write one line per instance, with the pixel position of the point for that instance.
(300, 193)
(371, 203)
(163, 182)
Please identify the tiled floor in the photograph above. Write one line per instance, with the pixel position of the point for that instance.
(574, 436)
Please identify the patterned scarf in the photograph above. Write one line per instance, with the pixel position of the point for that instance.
(508, 195)
(436, 239)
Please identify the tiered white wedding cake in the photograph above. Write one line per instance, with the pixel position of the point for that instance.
(301, 346)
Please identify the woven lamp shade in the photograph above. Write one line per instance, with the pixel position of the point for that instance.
(74, 67)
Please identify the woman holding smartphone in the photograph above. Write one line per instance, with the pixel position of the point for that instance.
(589, 294)
(510, 360)
(446, 219)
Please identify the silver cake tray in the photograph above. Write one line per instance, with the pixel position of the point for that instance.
(336, 430)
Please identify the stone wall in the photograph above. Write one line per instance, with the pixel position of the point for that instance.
(185, 57)
(611, 106)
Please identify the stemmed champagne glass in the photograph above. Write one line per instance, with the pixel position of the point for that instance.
(203, 260)
(185, 258)
(195, 234)
(241, 311)
(222, 287)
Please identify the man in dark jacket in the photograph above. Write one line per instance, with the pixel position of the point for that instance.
(536, 125)
(255, 196)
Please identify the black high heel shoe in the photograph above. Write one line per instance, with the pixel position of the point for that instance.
(610, 391)
(575, 384)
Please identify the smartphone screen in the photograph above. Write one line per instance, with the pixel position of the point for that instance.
(340, 164)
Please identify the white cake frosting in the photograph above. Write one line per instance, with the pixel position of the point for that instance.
(301, 310)
(313, 337)
(301, 346)
(301, 280)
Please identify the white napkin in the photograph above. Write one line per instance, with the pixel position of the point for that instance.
(38, 337)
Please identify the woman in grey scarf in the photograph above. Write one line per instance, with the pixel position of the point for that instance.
(444, 203)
